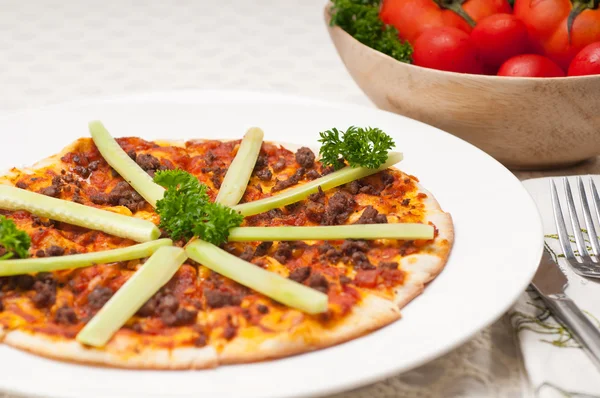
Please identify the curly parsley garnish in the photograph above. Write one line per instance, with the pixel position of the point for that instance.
(360, 18)
(186, 210)
(13, 240)
(360, 147)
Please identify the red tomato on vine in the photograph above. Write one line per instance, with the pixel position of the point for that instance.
(413, 17)
(559, 29)
(498, 38)
(446, 48)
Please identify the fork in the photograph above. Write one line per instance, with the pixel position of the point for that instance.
(583, 264)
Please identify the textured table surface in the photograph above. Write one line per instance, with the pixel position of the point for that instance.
(56, 51)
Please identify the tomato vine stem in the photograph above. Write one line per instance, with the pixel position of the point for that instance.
(456, 7)
(578, 8)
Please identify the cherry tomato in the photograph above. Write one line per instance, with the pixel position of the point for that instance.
(587, 61)
(498, 38)
(413, 17)
(530, 65)
(559, 29)
(448, 49)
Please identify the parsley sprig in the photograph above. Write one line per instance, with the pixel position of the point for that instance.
(360, 147)
(13, 240)
(360, 18)
(186, 210)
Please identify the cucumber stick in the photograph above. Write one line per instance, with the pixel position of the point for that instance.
(408, 231)
(155, 273)
(239, 172)
(136, 229)
(49, 264)
(285, 291)
(116, 157)
(292, 195)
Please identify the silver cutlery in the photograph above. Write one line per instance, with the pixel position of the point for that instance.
(585, 265)
(550, 281)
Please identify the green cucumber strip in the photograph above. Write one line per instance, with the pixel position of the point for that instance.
(285, 291)
(408, 231)
(239, 172)
(48, 264)
(147, 280)
(116, 157)
(136, 229)
(292, 195)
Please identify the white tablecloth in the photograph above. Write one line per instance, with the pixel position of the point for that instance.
(54, 51)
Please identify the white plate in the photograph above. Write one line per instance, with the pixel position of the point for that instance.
(497, 249)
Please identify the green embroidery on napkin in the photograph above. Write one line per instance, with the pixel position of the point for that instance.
(564, 393)
(543, 323)
(541, 320)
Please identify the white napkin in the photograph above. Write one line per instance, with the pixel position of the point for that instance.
(556, 365)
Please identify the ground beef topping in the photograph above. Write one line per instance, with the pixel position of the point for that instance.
(52, 191)
(261, 162)
(24, 282)
(283, 252)
(263, 248)
(65, 316)
(201, 340)
(293, 180)
(371, 216)
(360, 260)
(229, 332)
(300, 274)
(264, 175)
(315, 211)
(247, 254)
(340, 205)
(54, 251)
(263, 309)
(387, 178)
(351, 246)
(45, 292)
(279, 165)
(313, 174)
(219, 299)
(318, 196)
(99, 296)
(388, 265)
(180, 317)
(318, 282)
(150, 164)
(330, 252)
(124, 195)
(305, 157)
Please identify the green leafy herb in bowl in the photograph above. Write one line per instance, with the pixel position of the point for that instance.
(360, 18)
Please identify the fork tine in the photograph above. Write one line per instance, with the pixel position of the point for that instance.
(575, 221)
(561, 228)
(596, 198)
(587, 216)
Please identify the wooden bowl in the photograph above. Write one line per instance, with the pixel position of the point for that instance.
(525, 123)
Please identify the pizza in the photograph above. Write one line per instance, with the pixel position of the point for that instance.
(201, 319)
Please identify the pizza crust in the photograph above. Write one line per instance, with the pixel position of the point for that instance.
(122, 352)
(50, 162)
(421, 268)
(373, 313)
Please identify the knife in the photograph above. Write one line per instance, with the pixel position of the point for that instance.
(550, 282)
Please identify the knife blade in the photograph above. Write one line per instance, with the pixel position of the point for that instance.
(549, 278)
(550, 282)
